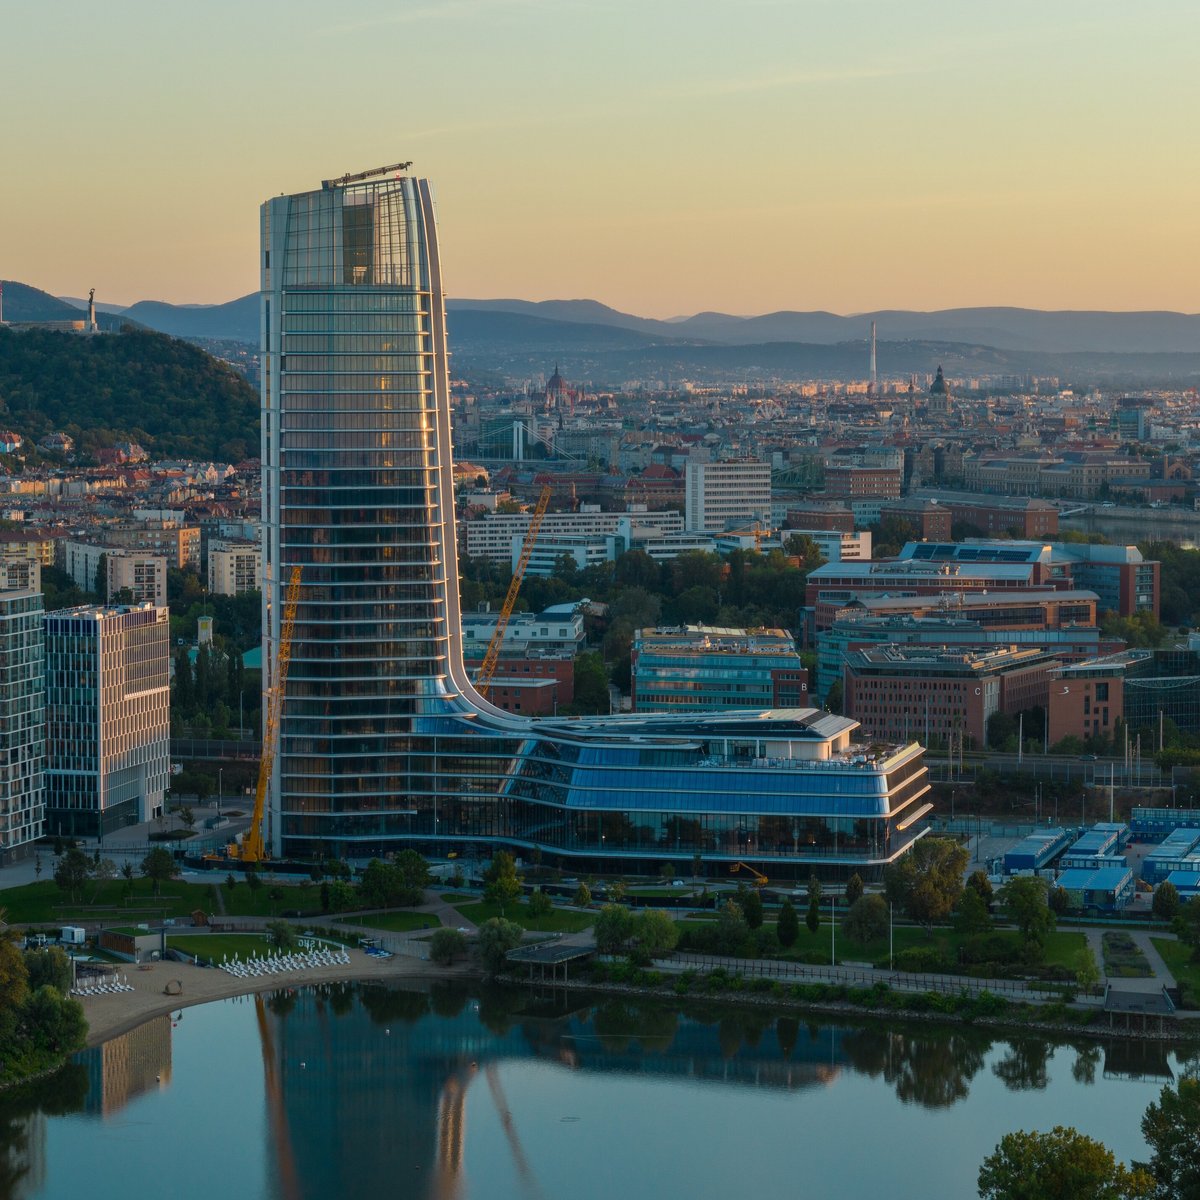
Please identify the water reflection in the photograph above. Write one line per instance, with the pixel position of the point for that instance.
(23, 1118)
(368, 1087)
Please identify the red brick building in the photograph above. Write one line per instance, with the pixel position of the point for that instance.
(930, 694)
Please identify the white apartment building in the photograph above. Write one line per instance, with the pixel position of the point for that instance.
(559, 628)
(727, 495)
(144, 574)
(493, 536)
(836, 546)
(23, 573)
(234, 567)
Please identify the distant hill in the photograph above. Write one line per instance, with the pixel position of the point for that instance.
(141, 386)
(523, 335)
(1005, 328)
(235, 321)
(101, 306)
(25, 303)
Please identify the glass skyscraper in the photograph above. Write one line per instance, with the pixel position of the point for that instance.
(384, 742)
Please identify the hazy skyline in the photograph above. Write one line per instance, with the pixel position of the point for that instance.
(663, 157)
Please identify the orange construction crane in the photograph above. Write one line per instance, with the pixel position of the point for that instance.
(484, 679)
(251, 849)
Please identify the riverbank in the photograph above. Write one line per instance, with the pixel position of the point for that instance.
(110, 1016)
(780, 1001)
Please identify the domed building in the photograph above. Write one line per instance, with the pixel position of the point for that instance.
(941, 403)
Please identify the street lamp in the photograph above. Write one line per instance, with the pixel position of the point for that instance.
(220, 787)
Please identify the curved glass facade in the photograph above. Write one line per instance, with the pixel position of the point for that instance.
(383, 739)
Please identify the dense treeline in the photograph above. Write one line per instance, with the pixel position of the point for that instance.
(138, 386)
(40, 1025)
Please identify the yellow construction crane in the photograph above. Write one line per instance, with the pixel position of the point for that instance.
(760, 880)
(251, 849)
(484, 679)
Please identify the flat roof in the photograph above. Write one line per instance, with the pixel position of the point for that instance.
(550, 953)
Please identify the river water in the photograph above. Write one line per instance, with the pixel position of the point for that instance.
(450, 1093)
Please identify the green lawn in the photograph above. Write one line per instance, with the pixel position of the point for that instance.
(1178, 958)
(1061, 947)
(42, 903)
(400, 922)
(557, 921)
(216, 946)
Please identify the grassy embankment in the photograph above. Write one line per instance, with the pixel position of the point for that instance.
(115, 900)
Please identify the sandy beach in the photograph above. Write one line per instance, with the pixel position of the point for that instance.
(108, 1016)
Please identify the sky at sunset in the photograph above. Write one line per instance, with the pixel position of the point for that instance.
(662, 156)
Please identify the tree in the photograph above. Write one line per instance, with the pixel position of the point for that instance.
(1087, 973)
(583, 895)
(50, 966)
(697, 865)
(539, 904)
(732, 931)
(281, 935)
(978, 882)
(1166, 901)
(1187, 926)
(613, 928)
(617, 890)
(654, 933)
(971, 915)
(867, 919)
(813, 917)
(230, 882)
(1171, 1127)
(666, 871)
(254, 879)
(1061, 1165)
(401, 882)
(71, 872)
(591, 684)
(787, 929)
(159, 866)
(446, 945)
(1002, 731)
(496, 938)
(187, 817)
(752, 908)
(928, 880)
(502, 885)
(1025, 899)
(854, 888)
(1059, 900)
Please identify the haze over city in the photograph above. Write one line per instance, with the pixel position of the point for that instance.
(664, 158)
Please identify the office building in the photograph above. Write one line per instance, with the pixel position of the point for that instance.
(856, 629)
(937, 694)
(727, 495)
(703, 668)
(1124, 581)
(384, 741)
(108, 717)
(22, 723)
